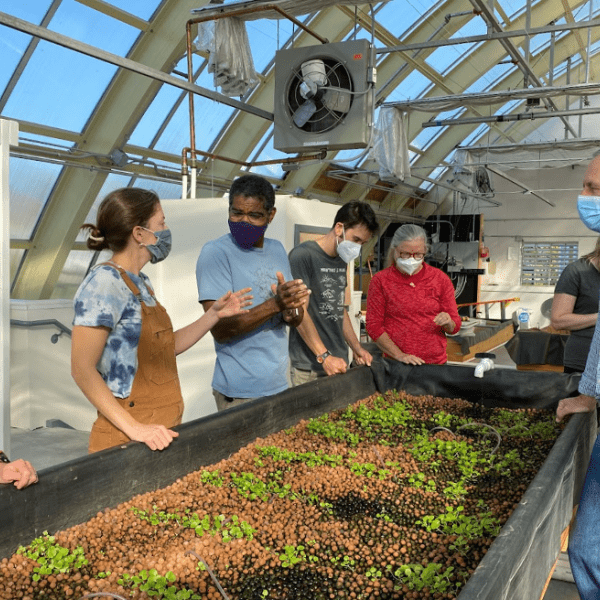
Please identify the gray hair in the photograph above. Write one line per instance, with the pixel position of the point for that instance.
(406, 233)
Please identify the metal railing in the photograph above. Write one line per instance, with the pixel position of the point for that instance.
(41, 323)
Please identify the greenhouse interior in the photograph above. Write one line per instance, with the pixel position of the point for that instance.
(414, 186)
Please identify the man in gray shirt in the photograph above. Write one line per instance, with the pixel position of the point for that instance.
(319, 345)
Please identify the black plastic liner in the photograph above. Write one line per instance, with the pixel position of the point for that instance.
(499, 387)
(537, 348)
(515, 567)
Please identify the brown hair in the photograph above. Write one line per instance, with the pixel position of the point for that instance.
(595, 253)
(118, 214)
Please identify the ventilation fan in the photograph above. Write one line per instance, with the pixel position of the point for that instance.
(323, 97)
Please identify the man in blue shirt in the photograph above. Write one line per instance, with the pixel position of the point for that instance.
(252, 347)
(584, 538)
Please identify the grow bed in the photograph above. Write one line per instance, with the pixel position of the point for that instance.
(72, 493)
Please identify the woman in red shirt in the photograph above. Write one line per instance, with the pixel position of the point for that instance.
(410, 304)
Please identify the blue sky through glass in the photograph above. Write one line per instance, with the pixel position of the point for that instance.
(140, 8)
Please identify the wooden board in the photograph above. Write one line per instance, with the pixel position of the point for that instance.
(454, 351)
(555, 368)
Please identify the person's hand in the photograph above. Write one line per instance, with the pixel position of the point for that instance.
(19, 472)
(576, 404)
(333, 365)
(156, 437)
(410, 359)
(232, 303)
(444, 320)
(289, 294)
(362, 357)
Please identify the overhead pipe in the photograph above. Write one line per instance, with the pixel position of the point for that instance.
(235, 161)
(190, 69)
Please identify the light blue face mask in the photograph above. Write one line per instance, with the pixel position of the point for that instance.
(159, 250)
(588, 208)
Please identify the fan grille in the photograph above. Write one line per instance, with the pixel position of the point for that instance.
(324, 118)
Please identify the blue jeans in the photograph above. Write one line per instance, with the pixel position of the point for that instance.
(584, 539)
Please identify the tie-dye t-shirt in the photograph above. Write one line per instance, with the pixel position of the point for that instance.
(103, 299)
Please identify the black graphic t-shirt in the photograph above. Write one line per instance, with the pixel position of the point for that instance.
(325, 276)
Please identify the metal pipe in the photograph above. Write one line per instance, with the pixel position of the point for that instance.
(568, 75)
(551, 66)
(589, 45)
(530, 116)
(501, 97)
(473, 39)
(527, 42)
(41, 323)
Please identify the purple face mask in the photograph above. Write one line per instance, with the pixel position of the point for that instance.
(245, 234)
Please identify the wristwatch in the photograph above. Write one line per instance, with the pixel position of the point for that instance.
(3, 457)
(321, 357)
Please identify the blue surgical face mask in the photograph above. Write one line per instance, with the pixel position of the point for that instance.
(347, 250)
(161, 248)
(589, 211)
(246, 234)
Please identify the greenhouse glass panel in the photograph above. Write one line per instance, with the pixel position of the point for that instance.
(112, 182)
(73, 272)
(16, 257)
(71, 83)
(155, 115)
(32, 11)
(30, 185)
(411, 87)
(12, 47)
(269, 153)
(210, 119)
(265, 37)
(92, 27)
(412, 12)
(143, 9)
(164, 189)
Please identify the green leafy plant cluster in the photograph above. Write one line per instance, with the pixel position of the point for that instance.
(518, 424)
(293, 555)
(419, 480)
(380, 420)
(465, 527)
(417, 577)
(368, 470)
(212, 478)
(154, 584)
(229, 528)
(51, 557)
(332, 429)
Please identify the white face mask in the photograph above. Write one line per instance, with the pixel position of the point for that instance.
(408, 265)
(347, 250)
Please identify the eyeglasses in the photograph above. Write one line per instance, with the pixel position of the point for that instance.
(256, 218)
(415, 255)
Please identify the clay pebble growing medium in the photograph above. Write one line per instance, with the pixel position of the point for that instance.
(396, 496)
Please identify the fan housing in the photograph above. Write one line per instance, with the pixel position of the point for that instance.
(323, 97)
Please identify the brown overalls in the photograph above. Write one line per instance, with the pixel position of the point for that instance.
(155, 394)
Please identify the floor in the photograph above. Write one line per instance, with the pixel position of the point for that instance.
(49, 446)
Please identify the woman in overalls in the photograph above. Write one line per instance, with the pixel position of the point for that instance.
(123, 344)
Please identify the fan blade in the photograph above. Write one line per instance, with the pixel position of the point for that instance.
(337, 99)
(304, 113)
(308, 89)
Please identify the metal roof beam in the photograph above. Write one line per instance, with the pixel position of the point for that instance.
(513, 51)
